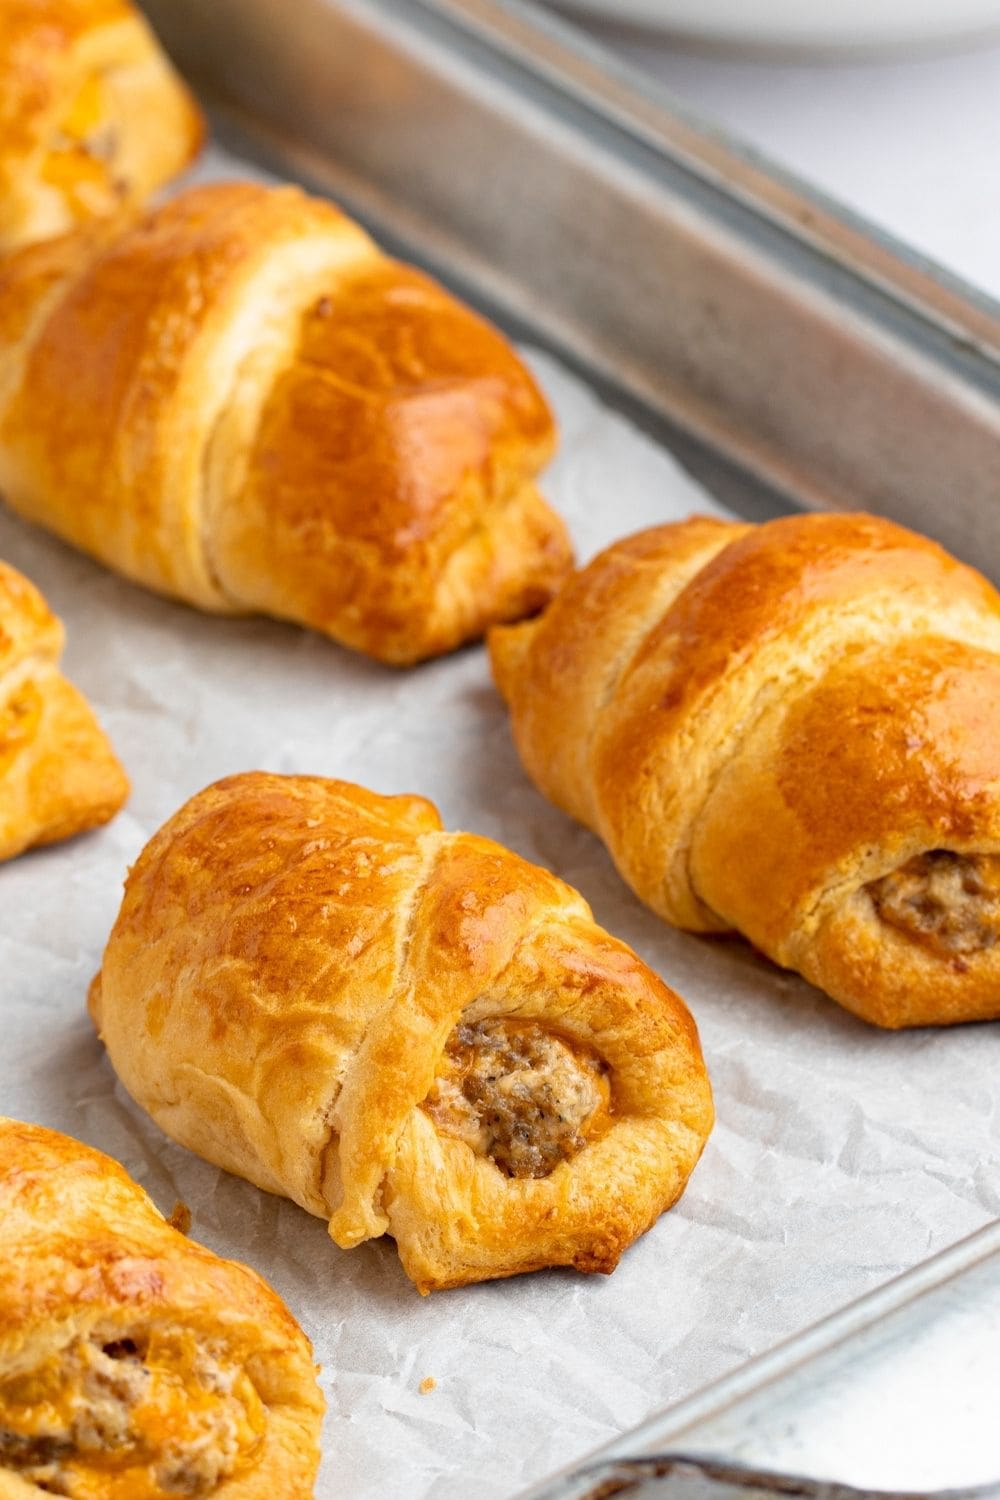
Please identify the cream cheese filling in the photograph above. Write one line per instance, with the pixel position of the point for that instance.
(948, 902)
(130, 1419)
(519, 1094)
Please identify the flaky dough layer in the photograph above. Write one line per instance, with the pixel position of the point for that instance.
(787, 730)
(402, 1029)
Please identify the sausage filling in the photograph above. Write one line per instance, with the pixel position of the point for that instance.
(520, 1095)
(949, 902)
(130, 1419)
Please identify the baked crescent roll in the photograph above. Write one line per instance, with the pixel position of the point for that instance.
(790, 730)
(58, 773)
(243, 403)
(402, 1029)
(133, 1363)
(92, 116)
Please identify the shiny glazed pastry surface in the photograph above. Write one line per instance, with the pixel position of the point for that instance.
(243, 403)
(405, 1030)
(135, 1365)
(92, 117)
(58, 773)
(790, 730)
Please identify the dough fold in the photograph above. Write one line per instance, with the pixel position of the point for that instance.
(135, 1364)
(791, 731)
(402, 1029)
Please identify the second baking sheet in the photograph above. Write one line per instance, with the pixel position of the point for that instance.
(841, 1154)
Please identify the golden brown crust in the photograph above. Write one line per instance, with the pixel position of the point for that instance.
(405, 429)
(290, 960)
(277, 417)
(92, 117)
(891, 754)
(86, 1259)
(808, 711)
(58, 773)
(583, 643)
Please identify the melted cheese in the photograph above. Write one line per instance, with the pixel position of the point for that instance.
(86, 112)
(78, 163)
(176, 1421)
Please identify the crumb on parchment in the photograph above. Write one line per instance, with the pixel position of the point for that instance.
(427, 1385)
(180, 1217)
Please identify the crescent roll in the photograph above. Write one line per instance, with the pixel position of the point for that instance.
(58, 773)
(244, 404)
(133, 1363)
(406, 1031)
(92, 116)
(791, 731)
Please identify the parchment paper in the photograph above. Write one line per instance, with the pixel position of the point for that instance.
(841, 1154)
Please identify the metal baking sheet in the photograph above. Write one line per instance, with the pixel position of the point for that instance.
(826, 364)
(842, 1156)
(894, 1395)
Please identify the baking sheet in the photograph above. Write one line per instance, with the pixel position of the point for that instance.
(841, 1155)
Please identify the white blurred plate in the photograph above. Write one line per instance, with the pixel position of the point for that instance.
(850, 24)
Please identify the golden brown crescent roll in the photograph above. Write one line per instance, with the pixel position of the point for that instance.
(402, 1029)
(58, 773)
(134, 1364)
(791, 730)
(243, 403)
(92, 116)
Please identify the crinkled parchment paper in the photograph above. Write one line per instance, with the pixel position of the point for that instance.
(841, 1154)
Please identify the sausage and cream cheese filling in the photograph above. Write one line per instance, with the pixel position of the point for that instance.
(949, 902)
(130, 1419)
(519, 1094)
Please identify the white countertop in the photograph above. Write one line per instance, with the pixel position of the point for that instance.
(913, 144)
